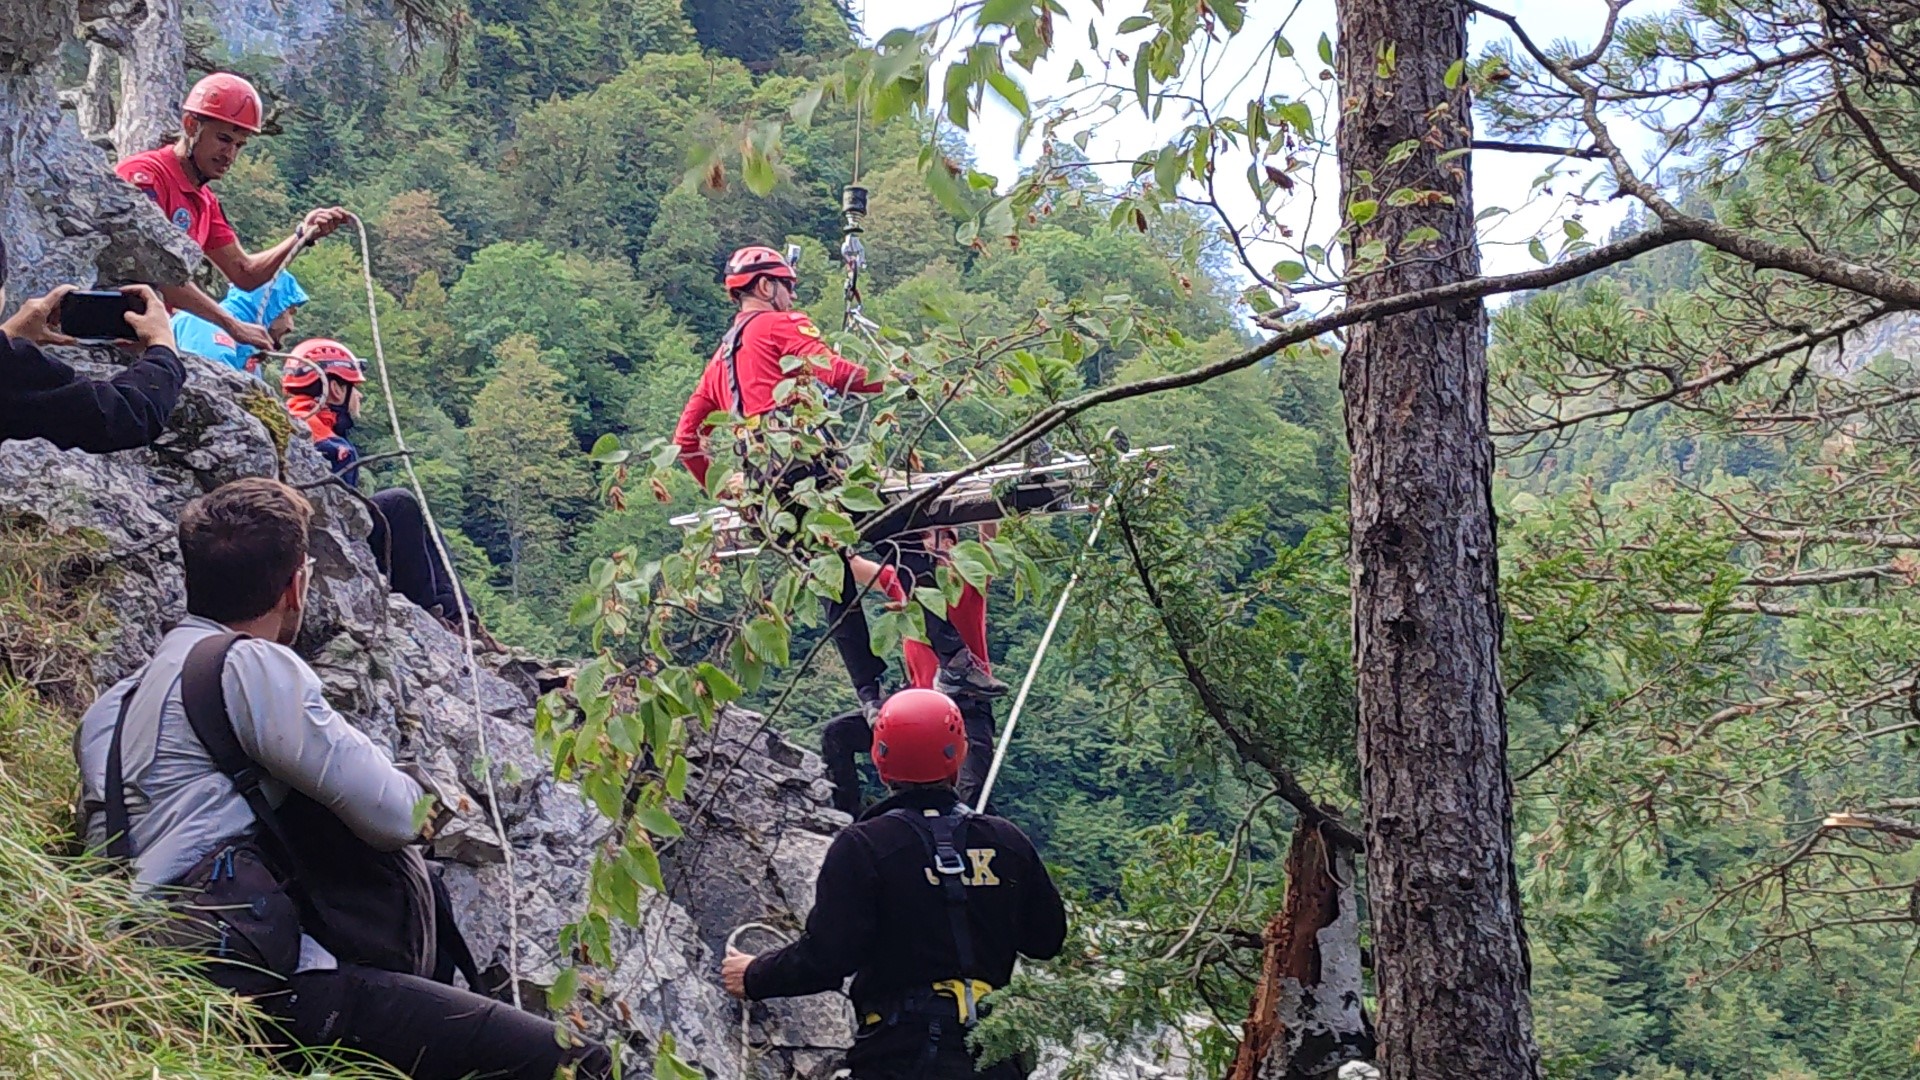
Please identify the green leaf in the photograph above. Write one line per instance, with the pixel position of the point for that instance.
(973, 562)
(932, 599)
(1402, 150)
(1078, 73)
(1288, 271)
(1326, 50)
(565, 985)
(1299, 115)
(1425, 234)
(1537, 249)
(720, 686)
(1141, 74)
(758, 172)
(1363, 210)
(606, 450)
(1167, 169)
(1134, 23)
(861, 499)
(657, 821)
(423, 811)
(1005, 12)
(1454, 71)
(1009, 91)
(804, 107)
(647, 866)
(1282, 47)
(668, 1066)
(1573, 229)
(584, 610)
(676, 778)
(768, 640)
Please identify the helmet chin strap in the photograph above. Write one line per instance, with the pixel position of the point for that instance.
(191, 136)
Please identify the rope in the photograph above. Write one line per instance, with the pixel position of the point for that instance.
(460, 601)
(747, 1056)
(1033, 666)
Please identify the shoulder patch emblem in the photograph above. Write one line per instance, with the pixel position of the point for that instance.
(142, 179)
(183, 218)
(805, 326)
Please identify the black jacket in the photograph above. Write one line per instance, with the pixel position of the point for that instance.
(42, 398)
(877, 917)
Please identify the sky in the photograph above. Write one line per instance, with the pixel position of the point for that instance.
(1500, 179)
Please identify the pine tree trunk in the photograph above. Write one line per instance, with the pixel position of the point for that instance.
(1449, 949)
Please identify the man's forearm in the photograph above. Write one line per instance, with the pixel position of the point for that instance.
(256, 269)
(192, 299)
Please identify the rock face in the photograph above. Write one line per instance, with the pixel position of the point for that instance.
(66, 217)
(758, 819)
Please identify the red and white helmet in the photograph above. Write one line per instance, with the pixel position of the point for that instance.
(331, 358)
(224, 96)
(749, 264)
(919, 738)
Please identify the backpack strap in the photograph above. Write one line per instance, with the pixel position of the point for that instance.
(450, 945)
(204, 696)
(730, 348)
(119, 842)
(944, 834)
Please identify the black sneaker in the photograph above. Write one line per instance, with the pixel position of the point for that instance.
(870, 698)
(963, 676)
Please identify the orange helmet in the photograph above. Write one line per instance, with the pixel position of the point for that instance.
(919, 738)
(329, 357)
(222, 96)
(749, 264)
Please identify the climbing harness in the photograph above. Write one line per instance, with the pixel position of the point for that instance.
(943, 836)
(460, 602)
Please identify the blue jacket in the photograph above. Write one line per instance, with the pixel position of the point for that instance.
(196, 335)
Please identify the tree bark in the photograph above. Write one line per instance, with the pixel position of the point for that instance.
(1449, 949)
(1306, 1021)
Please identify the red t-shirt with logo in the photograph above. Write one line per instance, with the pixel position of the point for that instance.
(768, 337)
(193, 208)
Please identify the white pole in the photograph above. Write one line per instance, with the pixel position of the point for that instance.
(1033, 666)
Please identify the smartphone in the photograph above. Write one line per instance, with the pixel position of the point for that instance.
(793, 256)
(98, 315)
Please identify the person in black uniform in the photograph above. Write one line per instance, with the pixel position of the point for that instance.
(42, 398)
(925, 903)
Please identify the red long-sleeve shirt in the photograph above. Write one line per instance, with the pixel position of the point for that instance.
(768, 337)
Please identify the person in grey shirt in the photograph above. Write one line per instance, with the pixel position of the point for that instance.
(245, 552)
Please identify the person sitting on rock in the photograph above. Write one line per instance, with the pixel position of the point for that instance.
(321, 381)
(42, 398)
(272, 305)
(221, 113)
(926, 904)
(191, 829)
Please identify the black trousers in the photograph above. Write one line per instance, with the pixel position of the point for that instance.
(847, 620)
(900, 1052)
(425, 1029)
(413, 568)
(847, 736)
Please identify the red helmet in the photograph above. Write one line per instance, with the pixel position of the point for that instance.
(221, 96)
(300, 377)
(331, 357)
(750, 263)
(919, 738)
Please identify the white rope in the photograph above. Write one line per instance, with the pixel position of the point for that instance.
(460, 601)
(1033, 666)
(747, 1056)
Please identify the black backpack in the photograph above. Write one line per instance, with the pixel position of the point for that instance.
(375, 908)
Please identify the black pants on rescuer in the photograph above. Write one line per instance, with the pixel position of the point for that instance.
(427, 1030)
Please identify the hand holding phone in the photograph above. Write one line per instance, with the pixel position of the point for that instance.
(38, 320)
(152, 323)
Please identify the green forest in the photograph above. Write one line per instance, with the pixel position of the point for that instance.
(1707, 644)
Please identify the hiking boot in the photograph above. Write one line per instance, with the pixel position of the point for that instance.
(870, 698)
(963, 676)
